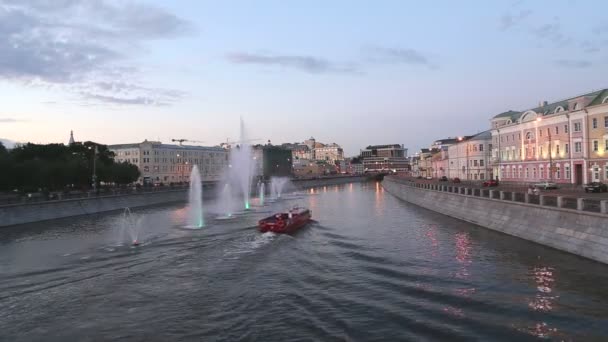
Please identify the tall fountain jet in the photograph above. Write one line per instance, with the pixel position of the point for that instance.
(241, 166)
(261, 192)
(195, 200)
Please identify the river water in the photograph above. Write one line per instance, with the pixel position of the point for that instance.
(370, 268)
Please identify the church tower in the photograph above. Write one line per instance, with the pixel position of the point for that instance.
(71, 137)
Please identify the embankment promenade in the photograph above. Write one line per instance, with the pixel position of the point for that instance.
(14, 214)
(575, 225)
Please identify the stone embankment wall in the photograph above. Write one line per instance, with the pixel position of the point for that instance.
(40, 211)
(309, 183)
(575, 231)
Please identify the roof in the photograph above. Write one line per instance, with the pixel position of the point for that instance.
(156, 144)
(595, 98)
(506, 115)
(485, 135)
(598, 99)
(376, 147)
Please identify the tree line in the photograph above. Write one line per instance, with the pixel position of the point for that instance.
(52, 167)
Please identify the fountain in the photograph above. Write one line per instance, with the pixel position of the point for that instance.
(261, 192)
(238, 177)
(130, 227)
(195, 200)
(277, 186)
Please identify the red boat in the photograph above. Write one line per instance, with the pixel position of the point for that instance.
(287, 222)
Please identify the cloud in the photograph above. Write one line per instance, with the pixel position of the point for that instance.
(139, 100)
(509, 20)
(570, 63)
(10, 120)
(399, 56)
(63, 43)
(309, 64)
(552, 33)
(600, 29)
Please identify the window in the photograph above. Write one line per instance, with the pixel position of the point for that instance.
(577, 147)
(481, 176)
(567, 170)
(606, 171)
(548, 131)
(557, 150)
(540, 151)
(480, 147)
(540, 132)
(475, 162)
(595, 145)
(606, 121)
(606, 145)
(481, 162)
(533, 172)
(577, 126)
(565, 128)
(567, 148)
(594, 123)
(520, 171)
(541, 172)
(558, 173)
(575, 107)
(527, 173)
(556, 129)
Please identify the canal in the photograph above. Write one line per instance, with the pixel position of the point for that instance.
(370, 268)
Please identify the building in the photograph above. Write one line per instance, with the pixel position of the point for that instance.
(385, 157)
(329, 153)
(564, 141)
(470, 158)
(272, 161)
(299, 151)
(165, 163)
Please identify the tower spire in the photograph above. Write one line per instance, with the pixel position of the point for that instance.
(71, 137)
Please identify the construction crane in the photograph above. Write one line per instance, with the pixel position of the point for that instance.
(181, 141)
(241, 141)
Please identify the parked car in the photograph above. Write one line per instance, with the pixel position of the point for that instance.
(490, 182)
(596, 187)
(429, 177)
(443, 179)
(456, 180)
(546, 185)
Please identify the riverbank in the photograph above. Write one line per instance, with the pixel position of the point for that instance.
(580, 230)
(21, 213)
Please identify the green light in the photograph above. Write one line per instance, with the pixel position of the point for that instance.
(247, 205)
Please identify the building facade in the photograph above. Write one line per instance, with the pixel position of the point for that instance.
(166, 163)
(329, 153)
(562, 142)
(385, 157)
(470, 158)
(272, 161)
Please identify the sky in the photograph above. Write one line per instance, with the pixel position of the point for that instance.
(352, 72)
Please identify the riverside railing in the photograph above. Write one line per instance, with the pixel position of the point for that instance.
(542, 200)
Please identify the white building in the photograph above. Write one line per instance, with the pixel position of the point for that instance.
(165, 163)
(470, 158)
(329, 153)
